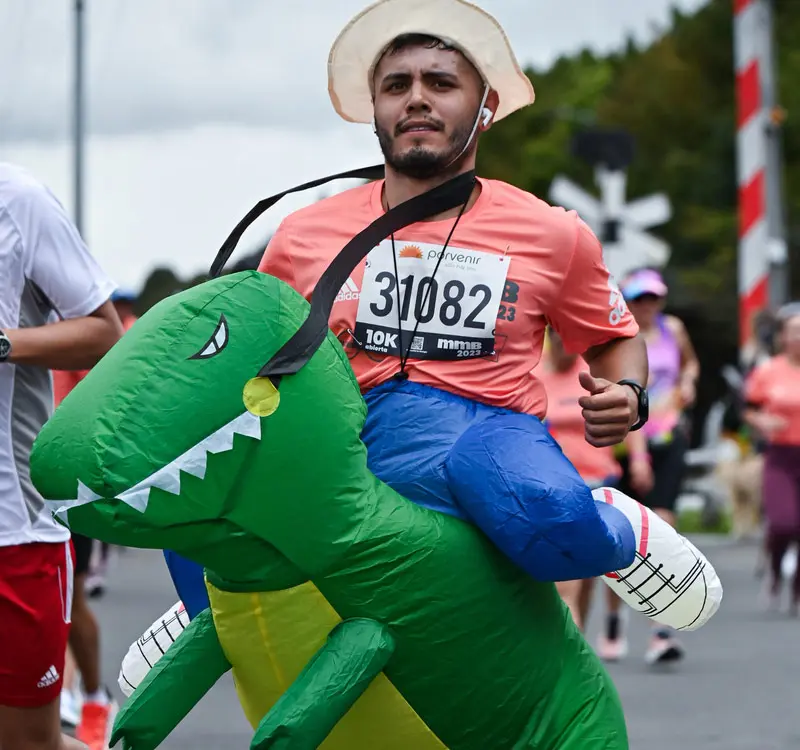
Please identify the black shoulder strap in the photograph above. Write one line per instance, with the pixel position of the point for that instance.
(301, 347)
(374, 172)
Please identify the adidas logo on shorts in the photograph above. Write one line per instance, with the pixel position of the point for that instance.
(50, 677)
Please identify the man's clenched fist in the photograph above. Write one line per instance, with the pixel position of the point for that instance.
(609, 411)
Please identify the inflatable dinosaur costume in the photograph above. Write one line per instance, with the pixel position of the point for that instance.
(351, 617)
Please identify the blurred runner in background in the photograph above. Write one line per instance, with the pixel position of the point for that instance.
(597, 466)
(773, 411)
(674, 370)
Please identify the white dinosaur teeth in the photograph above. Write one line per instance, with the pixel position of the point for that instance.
(86, 495)
(193, 461)
(168, 478)
(220, 441)
(169, 481)
(248, 424)
(60, 507)
(136, 498)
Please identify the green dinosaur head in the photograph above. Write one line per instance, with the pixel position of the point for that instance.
(155, 447)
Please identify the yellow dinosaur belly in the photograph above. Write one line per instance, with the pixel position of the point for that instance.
(269, 637)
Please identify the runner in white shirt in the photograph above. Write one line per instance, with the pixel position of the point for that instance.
(54, 313)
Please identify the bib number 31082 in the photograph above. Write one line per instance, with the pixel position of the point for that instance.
(453, 311)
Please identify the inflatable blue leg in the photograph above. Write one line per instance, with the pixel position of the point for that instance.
(512, 480)
(187, 577)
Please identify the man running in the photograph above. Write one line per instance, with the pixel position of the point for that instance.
(46, 272)
(445, 320)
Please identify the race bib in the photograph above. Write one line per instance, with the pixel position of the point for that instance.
(456, 309)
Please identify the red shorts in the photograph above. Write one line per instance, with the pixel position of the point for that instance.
(35, 607)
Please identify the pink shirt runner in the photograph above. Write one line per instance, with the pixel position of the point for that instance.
(775, 387)
(566, 425)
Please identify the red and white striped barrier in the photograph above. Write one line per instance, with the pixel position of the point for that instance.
(750, 55)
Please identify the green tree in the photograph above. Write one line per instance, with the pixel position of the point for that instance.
(677, 97)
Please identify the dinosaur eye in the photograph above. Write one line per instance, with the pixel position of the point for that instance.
(217, 342)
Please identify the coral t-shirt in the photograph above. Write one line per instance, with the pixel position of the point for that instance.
(474, 326)
(775, 387)
(565, 423)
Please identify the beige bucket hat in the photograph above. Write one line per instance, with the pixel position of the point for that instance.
(465, 26)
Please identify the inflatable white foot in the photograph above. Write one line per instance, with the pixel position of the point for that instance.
(670, 581)
(146, 650)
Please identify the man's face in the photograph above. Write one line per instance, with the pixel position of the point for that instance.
(426, 103)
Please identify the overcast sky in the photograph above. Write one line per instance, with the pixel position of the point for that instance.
(199, 108)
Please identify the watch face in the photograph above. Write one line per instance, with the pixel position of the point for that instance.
(5, 348)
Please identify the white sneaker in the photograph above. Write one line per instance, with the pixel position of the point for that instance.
(95, 585)
(789, 563)
(670, 580)
(612, 651)
(663, 651)
(71, 704)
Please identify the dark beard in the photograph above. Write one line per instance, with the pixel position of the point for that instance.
(420, 163)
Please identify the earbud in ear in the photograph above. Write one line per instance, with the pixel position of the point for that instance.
(487, 116)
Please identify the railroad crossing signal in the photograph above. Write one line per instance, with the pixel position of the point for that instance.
(619, 226)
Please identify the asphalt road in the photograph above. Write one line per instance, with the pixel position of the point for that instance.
(736, 690)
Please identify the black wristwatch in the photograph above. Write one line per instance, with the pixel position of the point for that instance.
(5, 347)
(642, 400)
